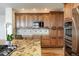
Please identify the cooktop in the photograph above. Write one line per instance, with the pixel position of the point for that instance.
(5, 50)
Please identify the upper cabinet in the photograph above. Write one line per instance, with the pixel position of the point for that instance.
(26, 20)
(53, 19)
(56, 19)
(68, 9)
(46, 19)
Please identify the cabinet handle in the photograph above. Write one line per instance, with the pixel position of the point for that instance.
(53, 28)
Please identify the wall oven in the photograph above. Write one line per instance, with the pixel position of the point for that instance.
(68, 36)
(71, 29)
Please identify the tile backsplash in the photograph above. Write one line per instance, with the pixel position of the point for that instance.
(27, 31)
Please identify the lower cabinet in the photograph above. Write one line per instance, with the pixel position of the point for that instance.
(55, 39)
(45, 41)
(51, 42)
(56, 42)
(60, 42)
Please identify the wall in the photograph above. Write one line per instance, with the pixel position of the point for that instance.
(2, 27)
(9, 17)
(3, 21)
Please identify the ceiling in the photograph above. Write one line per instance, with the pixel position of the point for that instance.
(17, 6)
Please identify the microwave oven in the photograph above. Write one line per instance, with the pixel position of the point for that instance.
(38, 24)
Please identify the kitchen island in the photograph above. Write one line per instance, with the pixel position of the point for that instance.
(27, 47)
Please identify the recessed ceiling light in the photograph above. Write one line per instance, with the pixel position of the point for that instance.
(22, 9)
(34, 9)
(45, 9)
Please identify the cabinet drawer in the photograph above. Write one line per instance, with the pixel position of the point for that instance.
(60, 33)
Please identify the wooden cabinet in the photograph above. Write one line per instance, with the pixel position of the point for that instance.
(54, 42)
(46, 19)
(60, 37)
(68, 10)
(60, 33)
(53, 21)
(60, 19)
(45, 41)
(57, 19)
(57, 32)
(26, 19)
(53, 32)
(60, 42)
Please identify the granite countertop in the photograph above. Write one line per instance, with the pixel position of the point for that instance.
(27, 47)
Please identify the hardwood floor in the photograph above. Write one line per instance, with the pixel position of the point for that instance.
(52, 51)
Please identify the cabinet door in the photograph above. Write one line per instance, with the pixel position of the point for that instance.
(60, 37)
(45, 41)
(60, 17)
(53, 20)
(68, 10)
(22, 20)
(60, 42)
(57, 19)
(17, 22)
(46, 20)
(54, 33)
(60, 33)
(29, 21)
(54, 42)
(26, 21)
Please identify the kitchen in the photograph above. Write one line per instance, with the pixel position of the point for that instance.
(41, 29)
(37, 26)
(44, 29)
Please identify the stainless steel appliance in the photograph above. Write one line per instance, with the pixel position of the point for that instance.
(38, 24)
(5, 50)
(68, 36)
(72, 34)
